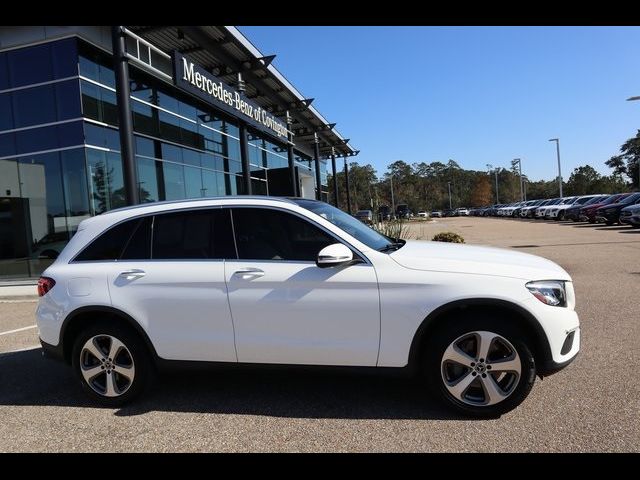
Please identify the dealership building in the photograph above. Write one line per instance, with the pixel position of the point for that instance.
(96, 118)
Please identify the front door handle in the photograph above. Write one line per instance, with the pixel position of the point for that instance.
(132, 274)
(246, 273)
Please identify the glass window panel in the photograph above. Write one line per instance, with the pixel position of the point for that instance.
(115, 179)
(107, 77)
(109, 107)
(74, 178)
(89, 68)
(106, 180)
(167, 102)
(33, 106)
(193, 182)
(233, 148)
(266, 234)
(173, 181)
(41, 184)
(68, 100)
(191, 157)
(144, 146)
(7, 144)
(4, 72)
(90, 100)
(6, 111)
(37, 139)
(30, 65)
(210, 183)
(143, 119)
(169, 127)
(147, 180)
(65, 58)
(171, 152)
(235, 167)
(101, 136)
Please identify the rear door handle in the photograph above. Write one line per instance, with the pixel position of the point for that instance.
(132, 274)
(250, 272)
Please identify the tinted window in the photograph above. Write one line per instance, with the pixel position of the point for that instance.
(198, 234)
(266, 234)
(109, 245)
(139, 245)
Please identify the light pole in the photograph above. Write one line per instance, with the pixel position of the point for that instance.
(520, 172)
(393, 203)
(449, 185)
(557, 140)
(490, 168)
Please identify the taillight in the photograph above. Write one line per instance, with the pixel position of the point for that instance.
(44, 285)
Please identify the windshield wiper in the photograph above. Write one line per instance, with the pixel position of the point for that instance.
(391, 246)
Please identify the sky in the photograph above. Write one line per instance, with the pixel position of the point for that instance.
(477, 95)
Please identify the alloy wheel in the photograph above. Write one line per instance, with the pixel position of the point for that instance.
(481, 368)
(107, 365)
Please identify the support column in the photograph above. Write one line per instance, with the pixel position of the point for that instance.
(244, 143)
(121, 69)
(346, 181)
(335, 178)
(244, 157)
(316, 158)
(291, 158)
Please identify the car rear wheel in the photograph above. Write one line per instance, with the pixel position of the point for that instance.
(112, 364)
(479, 367)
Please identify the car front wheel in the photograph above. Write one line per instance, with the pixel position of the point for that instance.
(112, 364)
(480, 368)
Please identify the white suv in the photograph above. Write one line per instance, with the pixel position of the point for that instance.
(268, 280)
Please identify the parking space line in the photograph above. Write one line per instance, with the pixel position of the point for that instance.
(26, 349)
(18, 330)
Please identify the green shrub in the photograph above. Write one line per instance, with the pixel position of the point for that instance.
(448, 237)
(395, 229)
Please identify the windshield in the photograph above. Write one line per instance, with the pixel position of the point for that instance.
(582, 200)
(630, 199)
(568, 201)
(352, 226)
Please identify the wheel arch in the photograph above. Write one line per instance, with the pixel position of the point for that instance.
(74, 322)
(530, 325)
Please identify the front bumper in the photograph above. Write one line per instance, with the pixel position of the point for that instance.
(606, 217)
(54, 352)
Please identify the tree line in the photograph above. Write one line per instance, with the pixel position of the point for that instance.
(425, 186)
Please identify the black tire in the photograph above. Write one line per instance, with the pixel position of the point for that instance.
(560, 217)
(136, 352)
(456, 327)
(609, 223)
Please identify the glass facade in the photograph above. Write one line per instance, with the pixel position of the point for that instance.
(60, 156)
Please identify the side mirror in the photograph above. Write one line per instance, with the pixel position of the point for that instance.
(334, 255)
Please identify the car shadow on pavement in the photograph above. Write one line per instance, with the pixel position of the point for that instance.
(26, 378)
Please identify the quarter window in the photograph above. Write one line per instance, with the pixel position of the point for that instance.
(267, 234)
(109, 245)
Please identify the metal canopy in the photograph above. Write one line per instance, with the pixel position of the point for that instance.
(225, 52)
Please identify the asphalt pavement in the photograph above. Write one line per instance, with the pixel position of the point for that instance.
(593, 405)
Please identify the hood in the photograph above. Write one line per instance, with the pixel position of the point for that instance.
(457, 258)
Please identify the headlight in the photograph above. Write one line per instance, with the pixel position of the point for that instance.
(549, 292)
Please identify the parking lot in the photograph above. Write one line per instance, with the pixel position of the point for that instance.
(593, 405)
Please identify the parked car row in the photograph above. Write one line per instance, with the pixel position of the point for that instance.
(622, 208)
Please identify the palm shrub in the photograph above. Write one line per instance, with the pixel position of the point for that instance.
(395, 229)
(448, 237)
